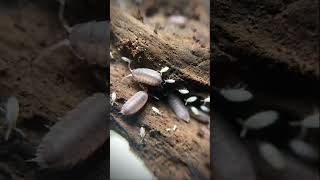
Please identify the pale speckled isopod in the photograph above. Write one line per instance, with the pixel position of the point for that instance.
(272, 156)
(87, 41)
(303, 149)
(179, 108)
(76, 136)
(258, 121)
(10, 112)
(135, 103)
(200, 116)
(144, 75)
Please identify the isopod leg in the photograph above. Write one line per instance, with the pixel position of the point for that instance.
(51, 48)
(130, 75)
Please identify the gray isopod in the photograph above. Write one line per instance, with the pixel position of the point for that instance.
(87, 41)
(135, 103)
(76, 136)
(201, 116)
(179, 108)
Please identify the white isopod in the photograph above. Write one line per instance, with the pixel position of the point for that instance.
(190, 99)
(272, 156)
(111, 55)
(303, 149)
(311, 121)
(113, 98)
(194, 110)
(183, 91)
(142, 132)
(156, 110)
(163, 70)
(206, 100)
(259, 120)
(174, 128)
(170, 81)
(236, 95)
(204, 108)
(177, 19)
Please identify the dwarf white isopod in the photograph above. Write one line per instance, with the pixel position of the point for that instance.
(311, 121)
(303, 149)
(272, 155)
(183, 91)
(190, 99)
(236, 95)
(163, 70)
(259, 120)
(156, 110)
(201, 116)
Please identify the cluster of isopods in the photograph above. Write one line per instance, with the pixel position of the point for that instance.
(154, 78)
(87, 40)
(263, 119)
(84, 129)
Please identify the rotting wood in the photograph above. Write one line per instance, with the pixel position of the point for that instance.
(144, 45)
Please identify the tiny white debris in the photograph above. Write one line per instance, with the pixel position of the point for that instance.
(142, 132)
(272, 156)
(163, 70)
(174, 128)
(204, 108)
(303, 149)
(168, 129)
(259, 120)
(183, 91)
(113, 98)
(111, 55)
(194, 110)
(157, 111)
(156, 98)
(169, 81)
(190, 99)
(311, 121)
(236, 95)
(177, 19)
(126, 59)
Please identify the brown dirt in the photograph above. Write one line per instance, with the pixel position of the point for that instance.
(45, 91)
(169, 155)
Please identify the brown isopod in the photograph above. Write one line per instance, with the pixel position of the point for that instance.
(135, 103)
(76, 136)
(179, 108)
(87, 41)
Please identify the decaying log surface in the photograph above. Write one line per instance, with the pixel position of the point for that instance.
(180, 154)
(158, 50)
